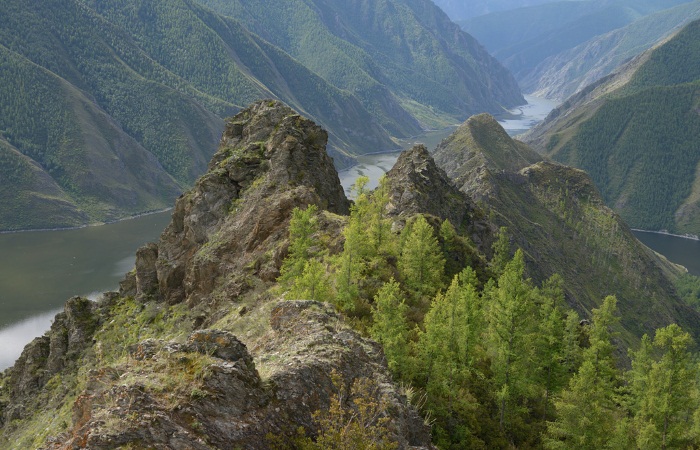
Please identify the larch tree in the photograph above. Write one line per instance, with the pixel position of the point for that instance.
(665, 390)
(421, 263)
(390, 327)
(587, 412)
(511, 312)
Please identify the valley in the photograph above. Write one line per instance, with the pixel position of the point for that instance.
(390, 247)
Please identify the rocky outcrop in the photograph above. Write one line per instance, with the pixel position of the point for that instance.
(229, 225)
(61, 347)
(232, 406)
(174, 361)
(418, 186)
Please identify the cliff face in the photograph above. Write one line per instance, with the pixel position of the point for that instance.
(195, 351)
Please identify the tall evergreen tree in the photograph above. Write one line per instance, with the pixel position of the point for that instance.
(421, 263)
(665, 390)
(586, 411)
(511, 322)
(390, 327)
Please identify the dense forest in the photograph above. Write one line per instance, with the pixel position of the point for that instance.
(491, 359)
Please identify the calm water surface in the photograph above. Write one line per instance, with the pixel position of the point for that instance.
(685, 252)
(40, 270)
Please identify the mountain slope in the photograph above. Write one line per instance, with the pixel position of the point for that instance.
(523, 38)
(459, 10)
(636, 133)
(406, 61)
(561, 75)
(204, 347)
(555, 214)
(121, 84)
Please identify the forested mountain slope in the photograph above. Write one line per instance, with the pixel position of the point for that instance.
(636, 133)
(406, 61)
(115, 106)
(566, 73)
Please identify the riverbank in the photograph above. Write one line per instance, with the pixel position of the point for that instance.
(95, 224)
(691, 237)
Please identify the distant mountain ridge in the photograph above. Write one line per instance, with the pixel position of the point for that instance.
(110, 109)
(564, 74)
(557, 47)
(636, 133)
(402, 59)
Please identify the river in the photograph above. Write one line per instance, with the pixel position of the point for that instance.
(40, 270)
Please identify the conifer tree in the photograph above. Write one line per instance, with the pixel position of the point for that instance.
(501, 251)
(390, 327)
(448, 350)
(586, 411)
(549, 344)
(351, 262)
(664, 390)
(312, 284)
(302, 227)
(421, 263)
(381, 238)
(511, 313)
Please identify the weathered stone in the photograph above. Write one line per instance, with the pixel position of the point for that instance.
(146, 274)
(220, 344)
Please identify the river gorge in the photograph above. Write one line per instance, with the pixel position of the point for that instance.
(39, 271)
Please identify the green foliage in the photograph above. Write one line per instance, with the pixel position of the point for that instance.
(390, 327)
(421, 263)
(586, 410)
(664, 389)
(688, 287)
(369, 57)
(312, 283)
(302, 242)
(662, 121)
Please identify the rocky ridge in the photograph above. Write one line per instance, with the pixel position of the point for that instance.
(195, 351)
(198, 350)
(556, 215)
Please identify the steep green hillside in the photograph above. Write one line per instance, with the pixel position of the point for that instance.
(637, 134)
(555, 214)
(565, 73)
(405, 61)
(119, 104)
